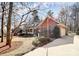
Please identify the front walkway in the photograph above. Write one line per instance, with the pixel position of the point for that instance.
(59, 47)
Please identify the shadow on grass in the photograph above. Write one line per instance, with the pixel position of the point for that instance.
(15, 45)
(27, 35)
(3, 46)
(21, 54)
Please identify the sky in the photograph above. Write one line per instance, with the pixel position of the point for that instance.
(46, 6)
(55, 7)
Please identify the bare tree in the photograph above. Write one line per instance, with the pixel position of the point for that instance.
(24, 17)
(75, 14)
(8, 42)
(63, 17)
(2, 25)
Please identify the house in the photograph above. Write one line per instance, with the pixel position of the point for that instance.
(31, 28)
(63, 29)
(45, 28)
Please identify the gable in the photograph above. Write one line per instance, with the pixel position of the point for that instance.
(47, 22)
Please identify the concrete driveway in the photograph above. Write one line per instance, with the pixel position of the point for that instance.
(60, 47)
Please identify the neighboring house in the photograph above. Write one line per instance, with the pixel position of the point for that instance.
(31, 28)
(45, 28)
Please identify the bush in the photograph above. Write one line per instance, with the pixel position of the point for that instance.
(36, 42)
(77, 31)
(46, 40)
(41, 41)
(56, 32)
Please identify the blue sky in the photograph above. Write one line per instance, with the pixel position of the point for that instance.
(46, 6)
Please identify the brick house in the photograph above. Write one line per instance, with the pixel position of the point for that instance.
(45, 28)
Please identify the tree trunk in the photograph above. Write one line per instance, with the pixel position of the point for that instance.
(8, 41)
(2, 25)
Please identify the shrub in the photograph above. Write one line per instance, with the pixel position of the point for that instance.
(77, 31)
(56, 32)
(36, 42)
(41, 41)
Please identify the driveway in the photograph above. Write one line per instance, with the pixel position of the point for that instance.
(60, 47)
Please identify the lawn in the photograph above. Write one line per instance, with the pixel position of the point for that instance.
(20, 45)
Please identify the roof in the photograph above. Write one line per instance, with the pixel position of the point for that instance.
(47, 18)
